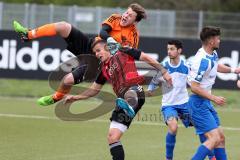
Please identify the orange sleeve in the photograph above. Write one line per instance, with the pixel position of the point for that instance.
(113, 20)
(135, 39)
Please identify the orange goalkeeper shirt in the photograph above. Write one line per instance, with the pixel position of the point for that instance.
(126, 36)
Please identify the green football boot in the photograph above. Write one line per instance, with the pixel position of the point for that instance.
(22, 31)
(46, 100)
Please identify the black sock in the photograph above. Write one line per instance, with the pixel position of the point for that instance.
(117, 151)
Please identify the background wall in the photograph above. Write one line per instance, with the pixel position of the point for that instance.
(37, 59)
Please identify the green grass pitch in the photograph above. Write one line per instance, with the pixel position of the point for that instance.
(31, 132)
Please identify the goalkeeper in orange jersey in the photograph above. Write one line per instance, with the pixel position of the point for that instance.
(117, 30)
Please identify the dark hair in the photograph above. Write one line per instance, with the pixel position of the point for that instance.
(177, 43)
(96, 41)
(141, 13)
(208, 32)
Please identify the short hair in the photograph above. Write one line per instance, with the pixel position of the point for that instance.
(141, 13)
(99, 40)
(177, 43)
(209, 32)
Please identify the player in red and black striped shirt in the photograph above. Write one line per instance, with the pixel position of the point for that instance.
(121, 72)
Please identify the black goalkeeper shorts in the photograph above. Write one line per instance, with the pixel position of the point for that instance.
(79, 43)
(120, 116)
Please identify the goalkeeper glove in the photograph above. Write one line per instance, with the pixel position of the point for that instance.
(112, 45)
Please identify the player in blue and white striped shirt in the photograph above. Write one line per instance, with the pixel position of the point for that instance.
(202, 77)
(175, 98)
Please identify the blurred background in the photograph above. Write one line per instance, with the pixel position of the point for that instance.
(179, 19)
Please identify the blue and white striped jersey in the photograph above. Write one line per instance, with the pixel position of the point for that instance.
(178, 93)
(204, 69)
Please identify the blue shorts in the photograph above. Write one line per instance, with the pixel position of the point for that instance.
(203, 115)
(177, 111)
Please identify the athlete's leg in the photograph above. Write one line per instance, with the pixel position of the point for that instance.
(170, 117)
(59, 28)
(75, 77)
(132, 100)
(205, 122)
(114, 135)
(220, 148)
(202, 139)
(186, 120)
(213, 140)
(171, 137)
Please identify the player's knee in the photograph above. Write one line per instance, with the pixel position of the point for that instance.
(131, 97)
(112, 138)
(222, 139)
(63, 28)
(173, 128)
(172, 125)
(216, 139)
(68, 79)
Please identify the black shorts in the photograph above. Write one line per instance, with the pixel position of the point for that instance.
(120, 116)
(79, 43)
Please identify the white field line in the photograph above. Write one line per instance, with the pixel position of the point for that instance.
(99, 120)
(33, 99)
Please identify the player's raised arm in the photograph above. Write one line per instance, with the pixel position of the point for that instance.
(140, 55)
(146, 58)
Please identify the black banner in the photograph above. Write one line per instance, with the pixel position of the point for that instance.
(228, 54)
(36, 59)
